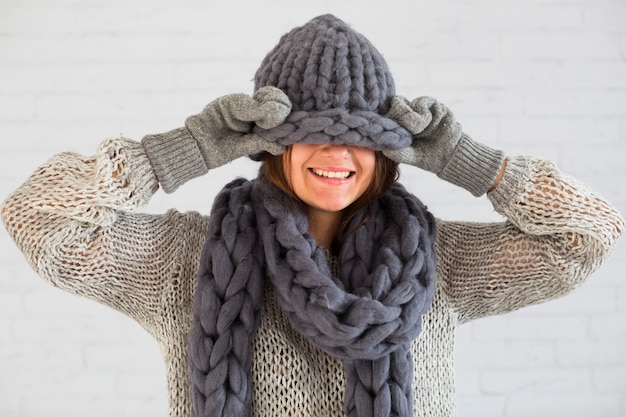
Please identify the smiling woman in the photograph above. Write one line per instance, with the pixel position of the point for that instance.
(328, 178)
(342, 181)
(322, 286)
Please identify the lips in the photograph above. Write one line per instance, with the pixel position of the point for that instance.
(332, 174)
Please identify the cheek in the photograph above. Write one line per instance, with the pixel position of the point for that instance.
(368, 166)
(288, 164)
(293, 177)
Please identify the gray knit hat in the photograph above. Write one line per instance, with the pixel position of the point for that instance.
(339, 85)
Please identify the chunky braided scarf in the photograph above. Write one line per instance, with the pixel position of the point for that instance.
(368, 316)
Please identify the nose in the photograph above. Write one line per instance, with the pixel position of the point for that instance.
(336, 151)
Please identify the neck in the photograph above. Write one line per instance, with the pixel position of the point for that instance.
(323, 226)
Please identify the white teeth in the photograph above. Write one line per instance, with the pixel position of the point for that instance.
(331, 174)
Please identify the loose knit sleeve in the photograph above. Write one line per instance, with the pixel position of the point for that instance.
(556, 234)
(75, 220)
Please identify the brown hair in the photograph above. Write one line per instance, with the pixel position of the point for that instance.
(386, 173)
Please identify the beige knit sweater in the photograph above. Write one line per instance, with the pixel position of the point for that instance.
(76, 221)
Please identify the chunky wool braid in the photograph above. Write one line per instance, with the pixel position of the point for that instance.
(339, 126)
(324, 65)
(368, 316)
(339, 87)
(227, 300)
(404, 248)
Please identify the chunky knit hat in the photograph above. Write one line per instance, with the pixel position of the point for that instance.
(339, 86)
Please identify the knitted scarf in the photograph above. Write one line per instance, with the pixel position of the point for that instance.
(368, 316)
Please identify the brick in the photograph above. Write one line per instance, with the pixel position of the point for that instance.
(34, 20)
(146, 385)
(622, 299)
(78, 385)
(52, 302)
(527, 17)
(605, 75)
(605, 16)
(590, 353)
(608, 327)
(609, 276)
(477, 102)
(220, 78)
(10, 305)
(547, 380)
(526, 403)
(102, 407)
(445, 48)
(17, 276)
(23, 356)
(554, 45)
(74, 328)
(580, 131)
(120, 356)
(482, 405)
(468, 382)
(522, 327)
(579, 103)
(505, 355)
(610, 379)
(583, 163)
(85, 77)
(9, 407)
(14, 107)
(477, 74)
(87, 108)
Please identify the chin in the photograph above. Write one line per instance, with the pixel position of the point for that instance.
(335, 208)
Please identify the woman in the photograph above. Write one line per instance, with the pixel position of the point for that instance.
(324, 288)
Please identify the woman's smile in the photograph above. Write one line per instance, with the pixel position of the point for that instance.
(328, 178)
(331, 174)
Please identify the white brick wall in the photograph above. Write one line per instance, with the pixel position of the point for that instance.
(541, 77)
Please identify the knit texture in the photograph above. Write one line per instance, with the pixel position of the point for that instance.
(368, 315)
(339, 85)
(440, 146)
(221, 133)
(71, 220)
(339, 88)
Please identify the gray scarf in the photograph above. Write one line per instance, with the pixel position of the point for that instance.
(368, 316)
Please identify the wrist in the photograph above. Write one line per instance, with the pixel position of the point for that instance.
(175, 158)
(473, 166)
(141, 174)
(500, 175)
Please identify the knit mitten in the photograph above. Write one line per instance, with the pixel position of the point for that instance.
(440, 146)
(221, 133)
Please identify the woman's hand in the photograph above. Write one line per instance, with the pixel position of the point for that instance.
(440, 146)
(221, 133)
(224, 128)
(435, 132)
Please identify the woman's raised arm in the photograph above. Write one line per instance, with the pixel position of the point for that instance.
(557, 233)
